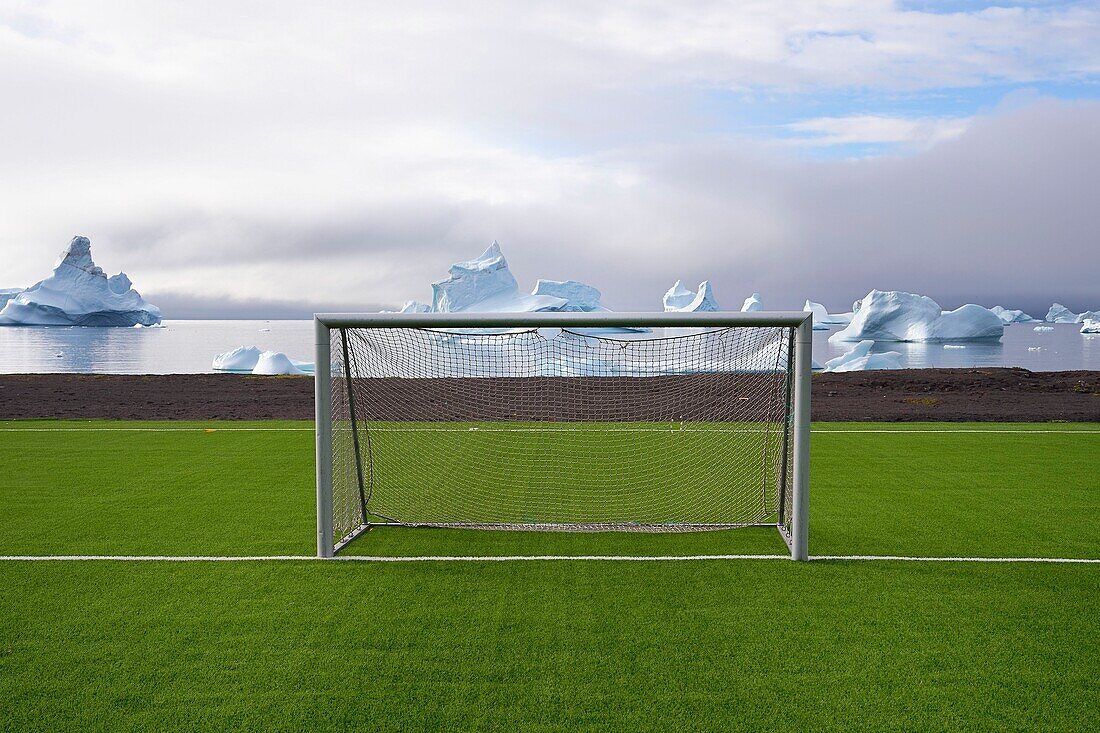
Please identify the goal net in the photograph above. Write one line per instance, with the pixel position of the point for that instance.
(562, 427)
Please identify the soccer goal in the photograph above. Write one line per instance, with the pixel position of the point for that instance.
(564, 422)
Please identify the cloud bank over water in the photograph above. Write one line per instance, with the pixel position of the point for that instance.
(272, 163)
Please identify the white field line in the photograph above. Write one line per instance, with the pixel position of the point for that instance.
(531, 558)
(815, 431)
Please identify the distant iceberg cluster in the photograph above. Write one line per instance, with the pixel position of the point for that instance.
(78, 293)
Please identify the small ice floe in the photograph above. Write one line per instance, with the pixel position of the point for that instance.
(252, 359)
(59, 354)
(953, 346)
(1034, 348)
(264, 330)
(1043, 329)
(1090, 326)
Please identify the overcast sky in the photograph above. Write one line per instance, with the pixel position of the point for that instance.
(275, 158)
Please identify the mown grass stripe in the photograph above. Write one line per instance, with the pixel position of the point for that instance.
(530, 558)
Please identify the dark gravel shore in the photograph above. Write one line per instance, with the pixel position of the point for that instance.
(1004, 395)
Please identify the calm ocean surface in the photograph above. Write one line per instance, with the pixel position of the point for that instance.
(187, 347)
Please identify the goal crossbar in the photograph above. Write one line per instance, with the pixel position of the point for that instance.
(333, 365)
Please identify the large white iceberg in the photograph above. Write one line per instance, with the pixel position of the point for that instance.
(860, 358)
(679, 298)
(486, 285)
(1088, 316)
(752, 304)
(79, 294)
(898, 316)
(1090, 325)
(1011, 316)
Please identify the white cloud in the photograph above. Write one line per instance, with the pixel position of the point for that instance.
(911, 132)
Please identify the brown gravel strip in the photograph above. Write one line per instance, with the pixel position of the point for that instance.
(1002, 395)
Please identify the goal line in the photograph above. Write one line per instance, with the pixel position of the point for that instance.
(532, 558)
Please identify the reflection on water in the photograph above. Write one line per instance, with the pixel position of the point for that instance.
(181, 347)
(187, 347)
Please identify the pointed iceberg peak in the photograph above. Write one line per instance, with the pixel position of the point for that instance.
(752, 304)
(78, 254)
(680, 298)
(119, 283)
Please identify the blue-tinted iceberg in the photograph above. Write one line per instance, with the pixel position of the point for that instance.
(860, 358)
(681, 299)
(7, 294)
(1058, 313)
(79, 293)
(1011, 316)
(486, 285)
(898, 316)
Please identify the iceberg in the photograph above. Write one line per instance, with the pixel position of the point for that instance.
(486, 285)
(240, 359)
(1011, 316)
(1058, 313)
(1090, 325)
(257, 361)
(1088, 316)
(79, 293)
(578, 297)
(7, 294)
(823, 319)
(681, 299)
(275, 362)
(898, 316)
(860, 358)
(1043, 328)
(752, 304)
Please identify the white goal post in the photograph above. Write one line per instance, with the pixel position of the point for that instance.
(563, 421)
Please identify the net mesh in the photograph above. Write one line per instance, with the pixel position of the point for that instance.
(557, 429)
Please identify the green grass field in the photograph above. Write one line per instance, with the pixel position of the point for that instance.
(702, 645)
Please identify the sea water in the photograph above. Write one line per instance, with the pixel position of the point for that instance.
(187, 347)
